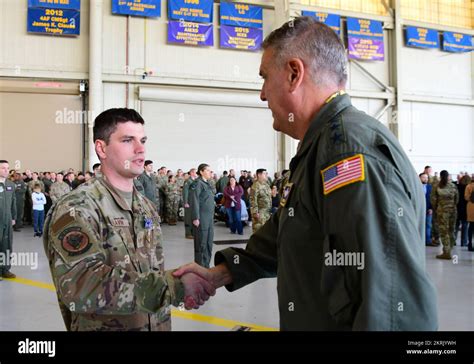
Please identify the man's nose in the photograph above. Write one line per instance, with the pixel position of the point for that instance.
(139, 147)
(263, 97)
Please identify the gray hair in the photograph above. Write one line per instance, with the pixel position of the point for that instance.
(316, 44)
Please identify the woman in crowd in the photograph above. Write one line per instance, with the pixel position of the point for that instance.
(469, 197)
(232, 195)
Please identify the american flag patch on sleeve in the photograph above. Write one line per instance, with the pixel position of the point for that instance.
(343, 173)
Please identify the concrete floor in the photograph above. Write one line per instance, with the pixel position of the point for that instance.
(30, 303)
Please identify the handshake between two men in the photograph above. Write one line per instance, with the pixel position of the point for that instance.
(201, 283)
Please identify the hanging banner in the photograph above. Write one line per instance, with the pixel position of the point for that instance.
(365, 39)
(146, 8)
(55, 4)
(249, 39)
(53, 21)
(421, 37)
(190, 33)
(241, 15)
(457, 42)
(331, 20)
(191, 10)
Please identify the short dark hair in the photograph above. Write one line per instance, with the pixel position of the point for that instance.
(3, 161)
(426, 167)
(225, 173)
(106, 123)
(421, 174)
(59, 173)
(260, 171)
(147, 162)
(96, 165)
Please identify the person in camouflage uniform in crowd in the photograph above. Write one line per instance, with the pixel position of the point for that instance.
(58, 188)
(213, 183)
(104, 243)
(180, 181)
(35, 180)
(260, 200)
(444, 198)
(173, 196)
(433, 181)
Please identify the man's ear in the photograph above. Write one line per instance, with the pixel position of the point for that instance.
(296, 71)
(100, 147)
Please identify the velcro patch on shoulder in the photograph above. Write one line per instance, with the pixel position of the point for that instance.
(345, 172)
(61, 223)
(74, 241)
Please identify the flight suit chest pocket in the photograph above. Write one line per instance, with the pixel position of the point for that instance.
(289, 204)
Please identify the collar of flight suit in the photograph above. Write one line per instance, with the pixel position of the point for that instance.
(327, 112)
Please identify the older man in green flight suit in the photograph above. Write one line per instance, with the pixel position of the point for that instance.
(347, 243)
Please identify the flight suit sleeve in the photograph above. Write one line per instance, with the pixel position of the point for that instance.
(194, 192)
(258, 260)
(13, 207)
(185, 193)
(380, 282)
(84, 280)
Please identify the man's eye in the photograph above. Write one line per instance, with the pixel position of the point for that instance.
(127, 140)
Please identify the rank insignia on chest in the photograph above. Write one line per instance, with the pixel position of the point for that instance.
(343, 173)
(286, 194)
(148, 223)
(9, 188)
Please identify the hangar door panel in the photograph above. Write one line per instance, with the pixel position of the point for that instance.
(183, 135)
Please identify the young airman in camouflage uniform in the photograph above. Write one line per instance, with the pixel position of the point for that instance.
(260, 200)
(173, 195)
(104, 243)
(444, 198)
(58, 188)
